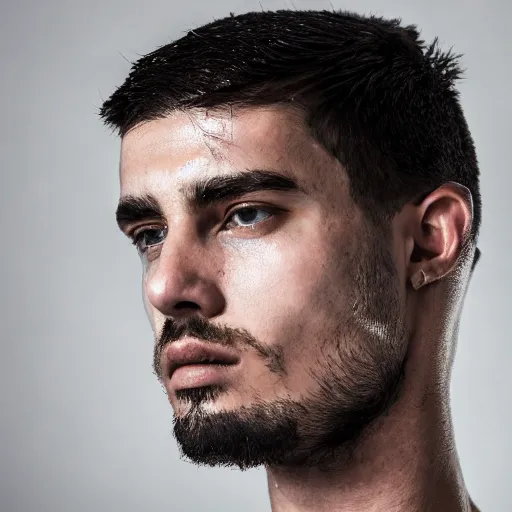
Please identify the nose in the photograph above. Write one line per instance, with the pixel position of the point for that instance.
(182, 281)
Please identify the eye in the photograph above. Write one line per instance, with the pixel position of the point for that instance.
(148, 237)
(248, 216)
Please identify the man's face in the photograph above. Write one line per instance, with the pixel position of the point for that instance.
(297, 284)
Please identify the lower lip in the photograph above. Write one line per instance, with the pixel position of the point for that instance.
(199, 375)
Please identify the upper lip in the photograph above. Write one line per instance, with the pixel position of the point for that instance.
(189, 351)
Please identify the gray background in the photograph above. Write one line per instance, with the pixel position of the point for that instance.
(85, 425)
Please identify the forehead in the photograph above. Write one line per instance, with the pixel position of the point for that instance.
(193, 144)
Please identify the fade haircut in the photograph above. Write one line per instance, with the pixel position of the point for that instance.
(371, 92)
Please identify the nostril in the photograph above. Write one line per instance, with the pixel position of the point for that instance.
(186, 305)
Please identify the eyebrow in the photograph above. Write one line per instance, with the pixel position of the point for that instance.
(206, 193)
(134, 209)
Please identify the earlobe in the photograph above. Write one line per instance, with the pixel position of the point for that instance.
(418, 279)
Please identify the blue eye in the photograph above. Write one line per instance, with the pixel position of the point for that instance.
(149, 237)
(249, 215)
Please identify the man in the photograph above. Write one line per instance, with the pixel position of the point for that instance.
(317, 338)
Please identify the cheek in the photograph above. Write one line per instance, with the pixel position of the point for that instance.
(278, 292)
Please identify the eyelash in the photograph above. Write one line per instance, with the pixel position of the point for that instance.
(137, 235)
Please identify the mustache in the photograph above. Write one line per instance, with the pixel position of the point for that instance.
(199, 328)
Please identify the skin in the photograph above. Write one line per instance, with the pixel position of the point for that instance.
(289, 281)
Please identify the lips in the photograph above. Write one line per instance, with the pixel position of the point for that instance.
(193, 352)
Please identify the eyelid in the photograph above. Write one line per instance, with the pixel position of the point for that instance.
(133, 232)
(259, 206)
(247, 206)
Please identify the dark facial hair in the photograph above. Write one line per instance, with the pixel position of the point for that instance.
(326, 426)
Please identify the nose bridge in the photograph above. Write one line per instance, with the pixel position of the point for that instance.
(175, 264)
(181, 271)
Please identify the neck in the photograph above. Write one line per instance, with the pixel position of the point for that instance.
(406, 461)
(406, 464)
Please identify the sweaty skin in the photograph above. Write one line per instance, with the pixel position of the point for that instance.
(291, 281)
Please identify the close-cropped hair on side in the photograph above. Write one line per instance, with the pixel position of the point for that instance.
(318, 339)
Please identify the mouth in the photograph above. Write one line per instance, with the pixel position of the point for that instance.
(191, 364)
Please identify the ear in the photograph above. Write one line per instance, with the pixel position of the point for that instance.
(439, 228)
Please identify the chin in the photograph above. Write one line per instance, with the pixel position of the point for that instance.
(202, 400)
(245, 436)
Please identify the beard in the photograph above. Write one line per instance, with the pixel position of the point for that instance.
(357, 377)
(320, 431)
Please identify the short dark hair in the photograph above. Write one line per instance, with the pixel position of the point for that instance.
(372, 93)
